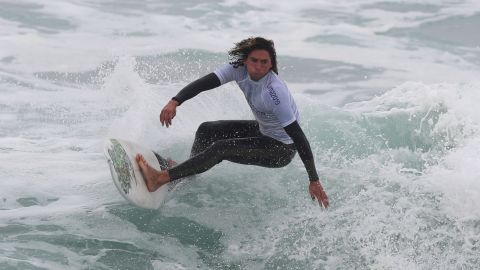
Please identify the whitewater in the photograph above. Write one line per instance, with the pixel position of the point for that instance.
(387, 92)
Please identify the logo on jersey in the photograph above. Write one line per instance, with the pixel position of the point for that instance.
(273, 95)
(254, 109)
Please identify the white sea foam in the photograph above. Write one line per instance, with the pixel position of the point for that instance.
(387, 101)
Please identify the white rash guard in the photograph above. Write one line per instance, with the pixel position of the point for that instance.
(269, 98)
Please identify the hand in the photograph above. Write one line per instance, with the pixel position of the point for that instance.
(316, 191)
(168, 113)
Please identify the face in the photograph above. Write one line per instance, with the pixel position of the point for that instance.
(258, 64)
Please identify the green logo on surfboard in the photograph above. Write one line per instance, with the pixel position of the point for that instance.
(122, 165)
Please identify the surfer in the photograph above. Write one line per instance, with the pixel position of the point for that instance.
(269, 141)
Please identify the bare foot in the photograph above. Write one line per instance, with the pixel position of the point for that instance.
(171, 162)
(153, 179)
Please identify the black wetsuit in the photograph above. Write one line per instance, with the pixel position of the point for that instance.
(238, 141)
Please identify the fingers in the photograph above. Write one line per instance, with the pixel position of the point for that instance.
(321, 197)
(325, 202)
(162, 117)
(168, 113)
(166, 117)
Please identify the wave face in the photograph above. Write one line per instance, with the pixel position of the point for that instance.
(387, 92)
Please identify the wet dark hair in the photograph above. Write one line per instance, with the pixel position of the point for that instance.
(242, 49)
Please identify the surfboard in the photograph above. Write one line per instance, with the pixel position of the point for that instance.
(128, 178)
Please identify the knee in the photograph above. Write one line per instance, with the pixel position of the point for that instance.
(206, 128)
(203, 132)
(282, 160)
(281, 163)
(221, 149)
(215, 153)
(285, 160)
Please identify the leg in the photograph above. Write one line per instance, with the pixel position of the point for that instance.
(260, 151)
(210, 132)
(207, 134)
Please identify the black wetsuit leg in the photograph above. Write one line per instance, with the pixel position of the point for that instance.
(210, 132)
(238, 141)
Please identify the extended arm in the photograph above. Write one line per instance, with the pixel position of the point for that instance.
(304, 151)
(205, 83)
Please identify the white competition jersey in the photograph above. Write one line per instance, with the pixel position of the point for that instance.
(269, 98)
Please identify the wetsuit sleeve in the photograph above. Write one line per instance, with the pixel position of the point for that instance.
(205, 83)
(303, 147)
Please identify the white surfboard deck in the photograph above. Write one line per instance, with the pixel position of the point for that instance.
(128, 178)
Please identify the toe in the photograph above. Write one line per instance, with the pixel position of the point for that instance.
(141, 161)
